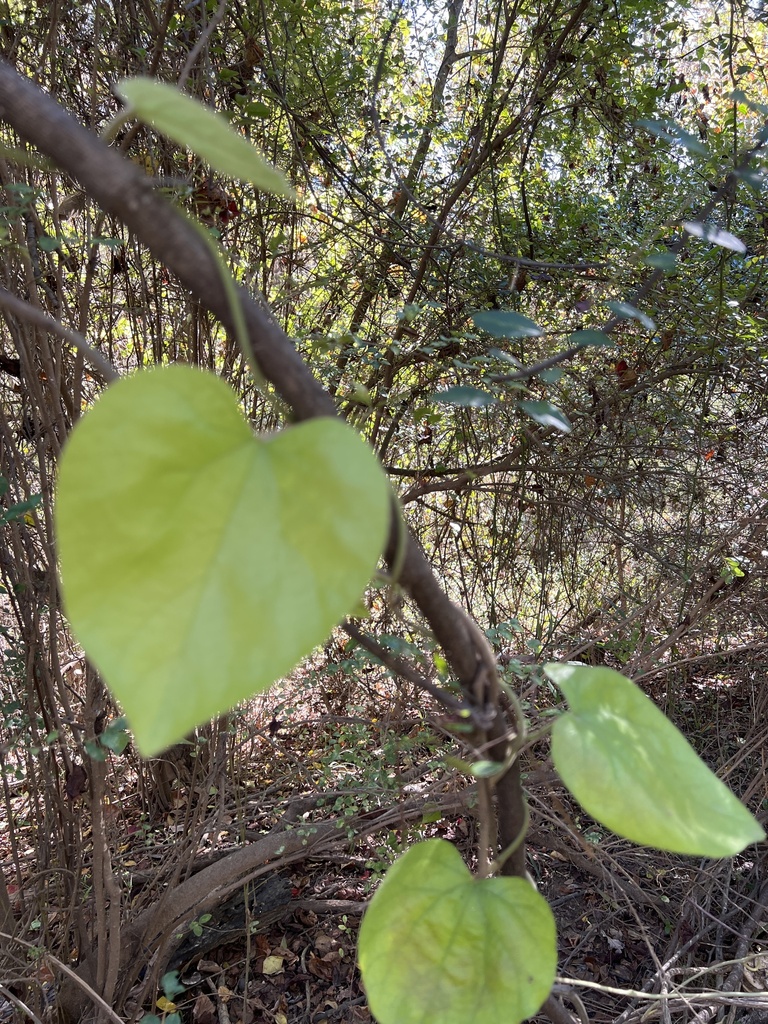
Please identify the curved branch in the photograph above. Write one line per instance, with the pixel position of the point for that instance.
(123, 190)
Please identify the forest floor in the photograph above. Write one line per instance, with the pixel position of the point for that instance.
(632, 922)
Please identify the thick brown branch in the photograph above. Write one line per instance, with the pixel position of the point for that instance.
(123, 190)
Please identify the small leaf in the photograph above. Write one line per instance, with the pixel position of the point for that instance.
(165, 1005)
(272, 965)
(486, 769)
(438, 945)
(546, 414)
(590, 337)
(503, 323)
(505, 357)
(672, 132)
(95, 751)
(712, 233)
(201, 130)
(661, 260)
(171, 985)
(115, 737)
(632, 770)
(20, 510)
(626, 311)
(465, 396)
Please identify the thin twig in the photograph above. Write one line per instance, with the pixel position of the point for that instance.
(70, 974)
(402, 668)
(47, 323)
(196, 50)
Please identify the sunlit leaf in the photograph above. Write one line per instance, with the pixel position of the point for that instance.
(626, 311)
(712, 233)
(546, 414)
(741, 97)
(200, 562)
(633, 770)
(200, 129)
(438, 946)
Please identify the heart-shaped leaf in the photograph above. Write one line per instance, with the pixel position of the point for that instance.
(202, 130)
(199, 562)
(438, 945)
(632, 770)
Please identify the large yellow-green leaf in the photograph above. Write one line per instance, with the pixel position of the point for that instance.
(634, 771)
(199, 562)
(439, 946)
(202, 130)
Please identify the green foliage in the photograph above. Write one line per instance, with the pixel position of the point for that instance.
(672, 132)
(632, 770)
(20, 508)
(200, 563)
(590, 337)
(171, 988)
(626, 311)
(114, 739)
(437, 944)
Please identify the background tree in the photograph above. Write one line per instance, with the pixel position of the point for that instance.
(486, 159)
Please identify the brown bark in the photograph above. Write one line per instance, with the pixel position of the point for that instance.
(123, 190)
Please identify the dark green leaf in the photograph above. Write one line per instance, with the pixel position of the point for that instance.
(18, 510)
(590, 337)
(661, 260)
(95, 751)
(465, 396)
(503, 323)
(116, 737)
